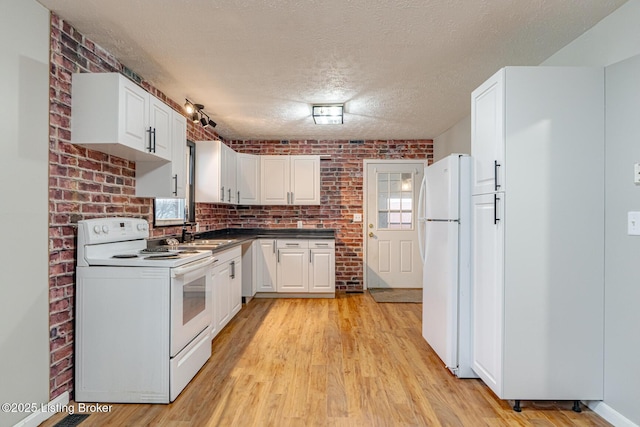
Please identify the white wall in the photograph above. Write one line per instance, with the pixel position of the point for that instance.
(24, 125)
(617, 38)
(457, 139)
(622, 252)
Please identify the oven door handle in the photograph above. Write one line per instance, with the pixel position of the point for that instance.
(181, 271)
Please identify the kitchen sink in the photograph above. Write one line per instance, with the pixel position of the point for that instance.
(207, 243)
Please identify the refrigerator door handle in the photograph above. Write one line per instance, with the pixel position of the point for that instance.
(421, 219)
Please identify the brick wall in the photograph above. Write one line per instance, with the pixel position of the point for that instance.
(84, 183)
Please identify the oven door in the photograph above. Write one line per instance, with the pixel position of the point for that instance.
(191, 301)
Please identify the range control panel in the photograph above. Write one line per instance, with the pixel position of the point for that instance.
(105, 230)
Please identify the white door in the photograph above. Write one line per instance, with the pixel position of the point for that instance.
(391, 236)
(487, 135)
(487, 282)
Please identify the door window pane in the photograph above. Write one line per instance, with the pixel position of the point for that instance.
(395, 201)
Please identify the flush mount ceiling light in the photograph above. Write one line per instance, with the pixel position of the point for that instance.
(197, 115)
(329, 114)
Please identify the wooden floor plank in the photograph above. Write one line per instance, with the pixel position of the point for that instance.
(347, 361)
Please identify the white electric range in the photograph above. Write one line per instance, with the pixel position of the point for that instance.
(142, 318)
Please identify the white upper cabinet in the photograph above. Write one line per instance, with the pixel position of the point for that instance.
(229, 169)
(290, 180)
(274, 185)
(156, 179)
(215, 173)
(305, 180)
(224, 176)
(248, 179)
(160, 121)
(112, 114)
(488, 135)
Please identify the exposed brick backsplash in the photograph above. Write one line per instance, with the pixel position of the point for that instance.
(85, 183)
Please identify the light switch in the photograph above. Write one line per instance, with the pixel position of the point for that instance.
(357, 217)
(633, 223)
(636, 173)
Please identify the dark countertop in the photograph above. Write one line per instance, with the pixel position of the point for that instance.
(259, 233)
(240, 236)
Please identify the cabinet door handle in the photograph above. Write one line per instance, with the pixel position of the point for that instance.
(175, 184)
(293, 244)
(310, 256)
(496, 165)
(278, 256)
(495, 209)
(274, 246)
(222, 194)
(233, 269)
(149, 131)
(154, 139)
(229, 190)
(291, 198)
(322, 244)
(238, 201)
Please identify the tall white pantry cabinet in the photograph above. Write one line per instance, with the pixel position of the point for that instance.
(537, 140)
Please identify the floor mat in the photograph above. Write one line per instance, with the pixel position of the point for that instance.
(396, 295)
(71, 420)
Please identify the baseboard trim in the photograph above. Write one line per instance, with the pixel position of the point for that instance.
(609, 414)
(50, 409)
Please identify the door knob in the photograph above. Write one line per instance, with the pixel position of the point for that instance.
(371, 234)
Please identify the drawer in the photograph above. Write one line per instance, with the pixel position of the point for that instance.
(293, 244)
(322, 244)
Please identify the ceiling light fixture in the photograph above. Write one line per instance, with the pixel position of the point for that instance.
(329, 114)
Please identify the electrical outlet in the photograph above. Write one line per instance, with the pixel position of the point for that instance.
(357, 217)
(299, 224)
(633, 223)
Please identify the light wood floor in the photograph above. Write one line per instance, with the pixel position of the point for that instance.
(342, 362)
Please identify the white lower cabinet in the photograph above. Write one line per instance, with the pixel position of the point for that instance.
(294, 266)
(226, 278)
(322, 266)
(265, 265)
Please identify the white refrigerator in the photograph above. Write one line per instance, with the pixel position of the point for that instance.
(444, 220)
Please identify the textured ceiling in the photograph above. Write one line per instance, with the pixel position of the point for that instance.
(403, 69)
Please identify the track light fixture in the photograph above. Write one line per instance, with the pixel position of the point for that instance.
(196, 113)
